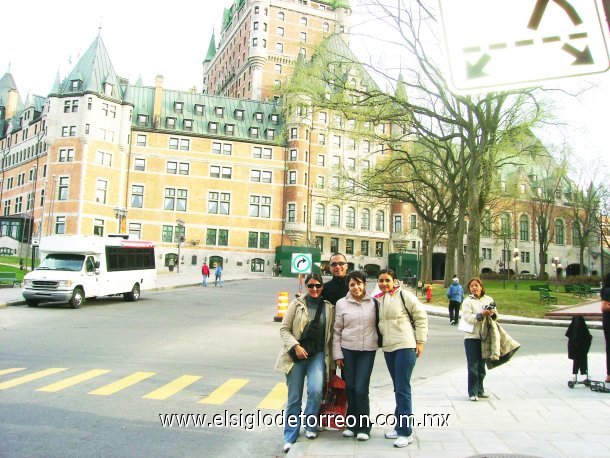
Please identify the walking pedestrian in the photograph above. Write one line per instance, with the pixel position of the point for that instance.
(205, 273)
(476, 307)
(218, 276)
(306, 334)
(605, 294)
(355, 343)
(403, 325)
(455, 293)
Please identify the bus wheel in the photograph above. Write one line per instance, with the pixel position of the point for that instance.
(31, 302)
(134, 294)
(78, 298)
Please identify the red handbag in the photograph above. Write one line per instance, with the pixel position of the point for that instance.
(334, 404)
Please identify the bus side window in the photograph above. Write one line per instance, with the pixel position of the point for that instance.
(90, 265)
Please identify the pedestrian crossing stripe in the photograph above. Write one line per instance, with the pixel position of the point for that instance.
(276, 398)
(28, 378)
(71, 381)
(225, 391)
(172, 387)
(121, 384)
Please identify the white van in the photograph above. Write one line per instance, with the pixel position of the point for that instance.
(75, 267)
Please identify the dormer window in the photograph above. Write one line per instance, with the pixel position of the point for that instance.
(258, 117)
(188, 124)
(220, 111)
(239, 114)
(274, 118)
(213, 127)
(170, 123)
(229, 129)
(108, 88)
(270, 134)
(253, 132)
(178, 107)
(198, 109)
(75, 85)
(142, 120)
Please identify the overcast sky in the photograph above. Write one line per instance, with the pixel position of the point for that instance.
(146, 38)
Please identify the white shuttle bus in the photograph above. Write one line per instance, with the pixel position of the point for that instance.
(75, 267)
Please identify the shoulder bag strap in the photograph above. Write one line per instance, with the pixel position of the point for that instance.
(407, 310)
(379, 336)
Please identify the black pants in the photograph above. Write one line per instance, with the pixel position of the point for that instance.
(476, 366)
(454, 311)
(606, 326)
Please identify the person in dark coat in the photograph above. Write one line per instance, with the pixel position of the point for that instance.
(605, 294)
(579, 343)
(336, 288)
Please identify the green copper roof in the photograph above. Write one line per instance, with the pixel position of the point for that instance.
(401, 89)
(7, 84)
(336, 3)
(143, 101)
(93, 70)
(211, 49)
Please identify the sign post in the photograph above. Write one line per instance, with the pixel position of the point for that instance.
(301, 264)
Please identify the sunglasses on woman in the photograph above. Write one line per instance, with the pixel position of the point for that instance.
(314, 285)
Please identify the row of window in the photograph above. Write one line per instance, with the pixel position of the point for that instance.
(559, 229)
(71, 106)
(506, 255)
(334, 220)
(199, 109)
(350, 246)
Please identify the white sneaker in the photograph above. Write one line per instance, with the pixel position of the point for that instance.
(403, 441)
(286, 447)
(311, 434)
(348, 433)
(474, 398)
(362, 437)
(391, 434)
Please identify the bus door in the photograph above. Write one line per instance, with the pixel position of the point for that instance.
(91, 279)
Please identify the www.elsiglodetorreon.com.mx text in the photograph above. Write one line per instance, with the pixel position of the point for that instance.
(249, 421)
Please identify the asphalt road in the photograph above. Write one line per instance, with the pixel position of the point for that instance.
(216, 345)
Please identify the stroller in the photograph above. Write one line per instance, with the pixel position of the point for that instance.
(579, 343)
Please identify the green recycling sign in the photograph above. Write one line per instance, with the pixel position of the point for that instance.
(301, 263)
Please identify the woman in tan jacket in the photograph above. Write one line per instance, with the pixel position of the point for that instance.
(403, 342)
(313, 313)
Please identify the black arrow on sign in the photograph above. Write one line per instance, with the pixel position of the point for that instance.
(301, 261)
(476, 70)
(540, 7)
(583, 57)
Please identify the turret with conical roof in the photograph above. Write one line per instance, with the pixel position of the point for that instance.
(206, 63)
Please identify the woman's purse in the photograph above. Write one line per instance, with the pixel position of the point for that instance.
(311, 336)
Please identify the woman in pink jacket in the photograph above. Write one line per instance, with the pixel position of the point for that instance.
(354, 347)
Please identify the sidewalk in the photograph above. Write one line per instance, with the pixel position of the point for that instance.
(531, 411)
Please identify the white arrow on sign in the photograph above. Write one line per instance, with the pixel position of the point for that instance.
(504, 44)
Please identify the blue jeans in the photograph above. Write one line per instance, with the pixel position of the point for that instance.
(400, 365)
(205, 280)
(476, 366)
(314, 369)
(217, 281)
(357, 374)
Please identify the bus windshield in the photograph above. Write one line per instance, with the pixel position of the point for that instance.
(71, 262)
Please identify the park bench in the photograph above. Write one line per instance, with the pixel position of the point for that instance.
(9, 277)
(568, 288)
(545, 296)
(539, 287)
(578, 291)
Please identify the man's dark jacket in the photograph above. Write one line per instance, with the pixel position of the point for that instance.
(335, 289)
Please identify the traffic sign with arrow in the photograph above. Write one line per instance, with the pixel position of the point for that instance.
(494, 45)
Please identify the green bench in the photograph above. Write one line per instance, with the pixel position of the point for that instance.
(9, 277)
(545, 296)
(539, 287)
(579, 291)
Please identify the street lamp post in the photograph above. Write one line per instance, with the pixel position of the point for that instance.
(557, 266)
(121, 215)
(516, 259)
(180, 225)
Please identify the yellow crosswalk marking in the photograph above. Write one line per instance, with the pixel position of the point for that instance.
(121, 384)
(28, 378)
(276, 398)
(172, 387)
(11, 370)
(225, 391)
(71, 381)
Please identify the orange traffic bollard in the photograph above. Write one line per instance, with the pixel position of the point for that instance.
(282, 305)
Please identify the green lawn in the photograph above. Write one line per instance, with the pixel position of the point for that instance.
(511, 301)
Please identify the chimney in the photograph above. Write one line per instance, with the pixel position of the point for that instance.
(158, 99)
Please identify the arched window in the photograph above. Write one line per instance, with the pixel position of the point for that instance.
(524, 228)
(257, 265)
(335, 216)
(365, 219)
(575, 233)
(505, 225)
(486, 224)
(320, 211)
(350, 218)
(559, 232)
(380, 220)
